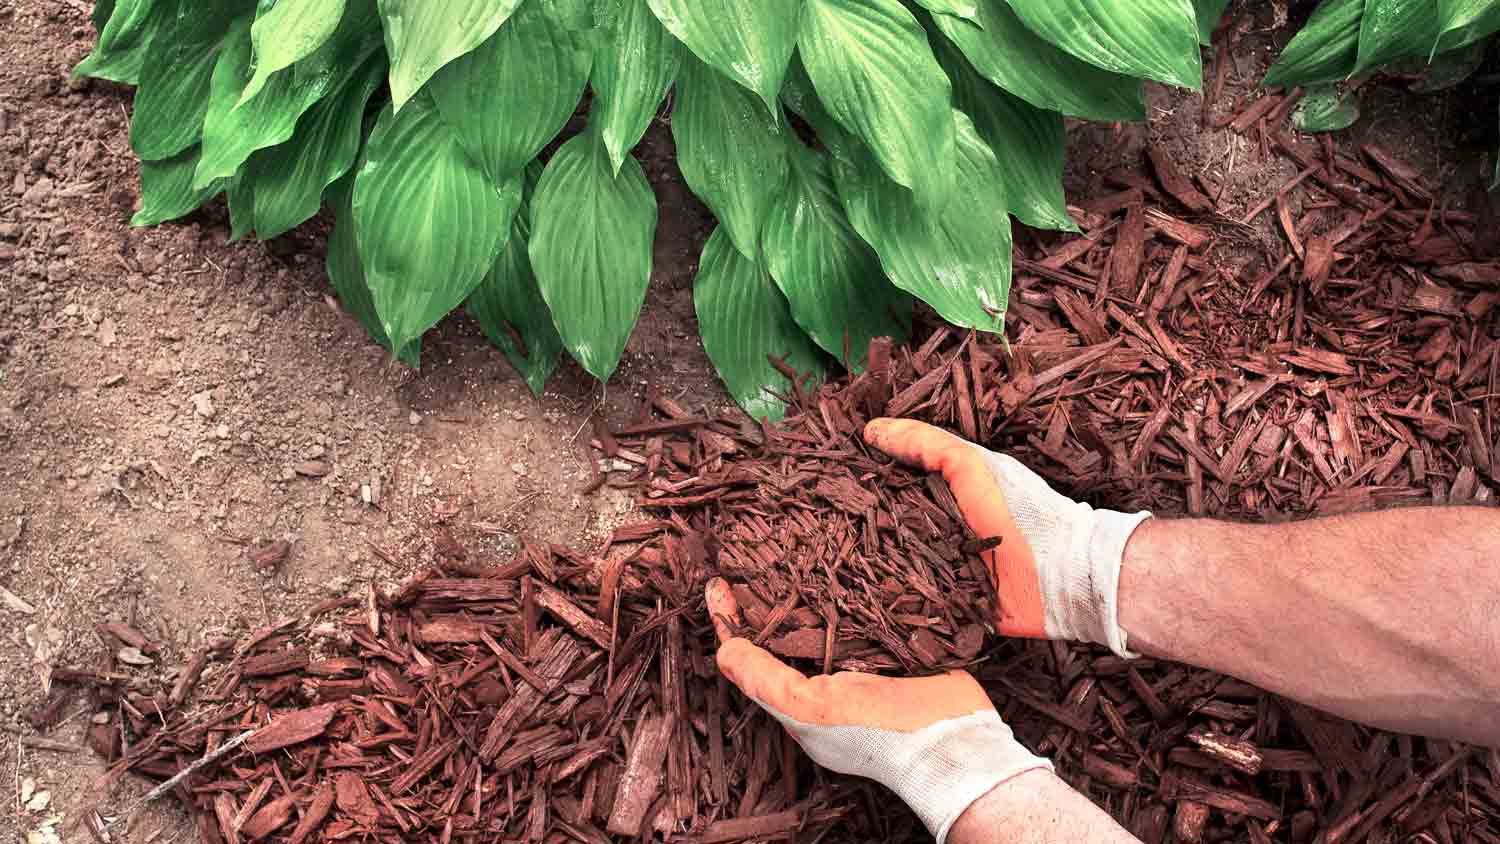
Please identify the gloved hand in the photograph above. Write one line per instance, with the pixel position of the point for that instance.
(1057, 568)
(937, 742)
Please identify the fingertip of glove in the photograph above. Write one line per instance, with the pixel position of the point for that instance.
(875, 429)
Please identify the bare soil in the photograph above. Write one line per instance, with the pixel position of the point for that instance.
(170, 402)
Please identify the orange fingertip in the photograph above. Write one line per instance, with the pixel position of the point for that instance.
(723, 609)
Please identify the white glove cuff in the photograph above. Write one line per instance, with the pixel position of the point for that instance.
(1082, 599)
(960, 761)
(939, 770)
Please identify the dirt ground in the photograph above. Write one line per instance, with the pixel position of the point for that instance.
(170, 402)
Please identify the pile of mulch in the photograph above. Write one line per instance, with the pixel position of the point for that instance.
(1160, 360)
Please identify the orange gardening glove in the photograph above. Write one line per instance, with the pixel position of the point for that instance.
(937, 742)
(1057, 568)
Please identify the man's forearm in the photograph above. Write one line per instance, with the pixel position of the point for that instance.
(1036, 808)
(1389, 618)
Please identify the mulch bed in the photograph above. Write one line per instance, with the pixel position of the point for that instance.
(569, 697)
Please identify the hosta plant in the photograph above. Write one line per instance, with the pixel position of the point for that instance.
(858, 154)
(1345, 39)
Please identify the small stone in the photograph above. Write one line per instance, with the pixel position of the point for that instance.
(203, 404)
(312, 468)
(314, 452)
(222, 432)
(72, 310)
(113, 380)
(518, 468)
(107, 333)
(38, 193)
(132, 656)
(414, 418)
(518, 415)
(100, 718)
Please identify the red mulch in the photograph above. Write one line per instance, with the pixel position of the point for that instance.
(565, 697)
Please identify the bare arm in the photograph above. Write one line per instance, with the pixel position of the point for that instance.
(1389, 618)
(1036, 808)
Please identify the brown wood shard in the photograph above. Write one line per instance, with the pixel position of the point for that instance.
(313, 818)
(643, 771)
(276, 662)
(292, 728)
(270, 818)
(572, 615)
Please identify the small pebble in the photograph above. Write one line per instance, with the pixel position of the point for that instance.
(203, 404)
(415, 418)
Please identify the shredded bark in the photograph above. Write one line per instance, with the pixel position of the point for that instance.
(1354, 363)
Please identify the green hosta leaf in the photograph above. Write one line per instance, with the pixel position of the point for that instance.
(1157, 39)
(744, 319)
(635, 62)
(428, 219)
(1032, 141)
(958, 259)
(121, 50)
(830, 277)
(423, 35)
(1457, 14)
(514, 93)
(509, 306)
(1324, 50)
(348, 277)
(749, 41)
(1451, 67)
(1464, 22)
(174, 87)
(874, 71)
(966, 9)
(1008, 54)
(1390, 29)
(799, 95)
(290, 177)
(1209, 13)
(1324, 109)
(167, 190)
(732, 154)
(231, 131)
(240, 197)
(103, 9)
(289, 32)
(592, 231)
